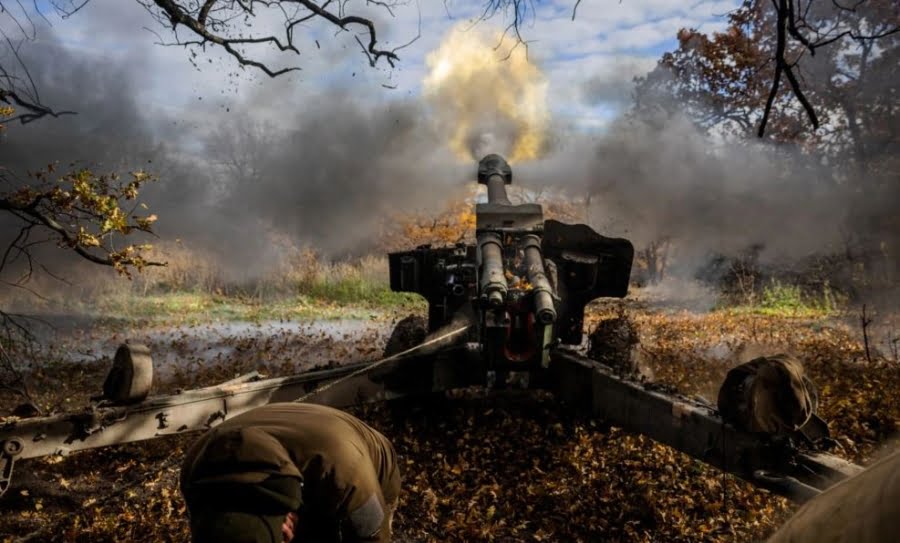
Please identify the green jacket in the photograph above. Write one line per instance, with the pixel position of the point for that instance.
(349, 471)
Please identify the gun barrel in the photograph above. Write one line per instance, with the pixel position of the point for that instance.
(493, 280)
(543, 293)
(494, 171)
(496, 188)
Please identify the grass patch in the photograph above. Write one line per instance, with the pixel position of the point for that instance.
(338, 303)
(354, 290)
(192, 289)
(779, 299)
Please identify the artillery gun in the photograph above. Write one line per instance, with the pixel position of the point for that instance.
(506, 311)
(524, 284)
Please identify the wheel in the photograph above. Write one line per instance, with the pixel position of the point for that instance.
(408, 333)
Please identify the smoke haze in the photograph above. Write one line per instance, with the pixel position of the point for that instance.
(667, 180)
(325, 175)
(325, 169)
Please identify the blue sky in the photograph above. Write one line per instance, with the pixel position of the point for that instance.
(609, 43)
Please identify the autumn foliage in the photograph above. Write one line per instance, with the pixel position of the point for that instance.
(513, 467)
(90, 214)
(455, 220)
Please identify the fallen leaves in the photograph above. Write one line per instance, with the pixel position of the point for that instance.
(515, 467)
(525, 470)
(693, 352)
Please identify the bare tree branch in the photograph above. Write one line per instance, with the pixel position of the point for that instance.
(32, 111)
(214, 21)
(813, 29)
(779, 68)
(64, 12)
(831, 35)
(789, 23)
(801, 97)
(345, 21)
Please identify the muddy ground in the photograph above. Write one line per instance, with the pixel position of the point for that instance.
(513, 467)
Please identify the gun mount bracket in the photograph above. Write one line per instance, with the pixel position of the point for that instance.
(785, 486)
(12, 448)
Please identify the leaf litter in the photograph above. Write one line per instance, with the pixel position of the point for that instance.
(517, 466)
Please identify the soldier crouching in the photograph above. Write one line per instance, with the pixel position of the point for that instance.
(291, 472)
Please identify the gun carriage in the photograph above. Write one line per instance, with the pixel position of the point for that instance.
(505, 312)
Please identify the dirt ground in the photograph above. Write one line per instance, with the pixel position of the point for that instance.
(513, 467)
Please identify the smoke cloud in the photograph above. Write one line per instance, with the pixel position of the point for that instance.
(327, 176)
(656, 176)
(665, 179)
(339, 172)
(323, 168)
(486, 95)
